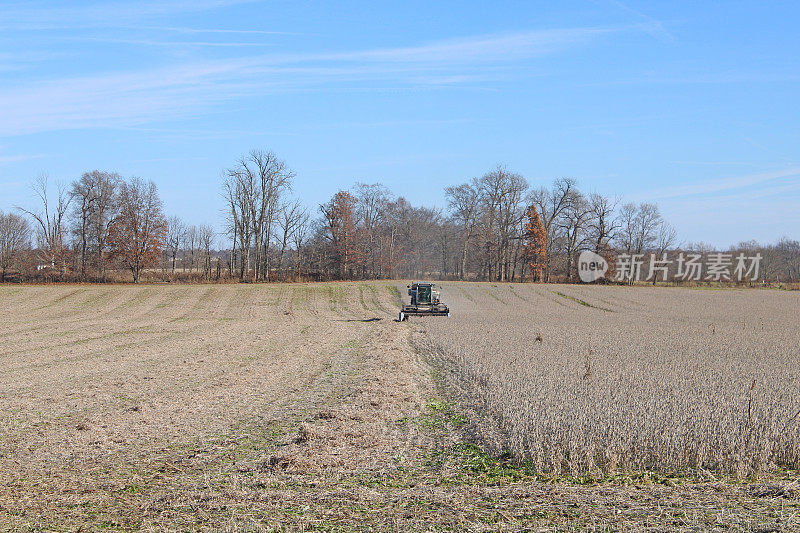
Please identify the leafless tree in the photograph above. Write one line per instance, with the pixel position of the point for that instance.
(15, 235)
(464, 204)
(205, 240)
(191, 244)
(573, 222)
(666, 237)
(93, 198)
(176, 233)
(83, 198)
(238, 191)
(371, 201)
(50, 221)
(626, 236)
(253, 189)
(648, 220)
(300, 234)
(290, 216)
(511, 211)
(603, 224)
(105, 208)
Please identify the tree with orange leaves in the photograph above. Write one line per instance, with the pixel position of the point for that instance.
(339, 214)
(137, 234)
(535, 243)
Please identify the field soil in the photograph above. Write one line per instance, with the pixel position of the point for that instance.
(287, 407)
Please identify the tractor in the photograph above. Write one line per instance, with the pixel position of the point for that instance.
(424, 301)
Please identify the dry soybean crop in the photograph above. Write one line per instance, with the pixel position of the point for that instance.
(600, 380)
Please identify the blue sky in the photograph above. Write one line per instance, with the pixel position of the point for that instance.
(693, 105)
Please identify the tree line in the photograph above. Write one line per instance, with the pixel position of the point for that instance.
(496, 227)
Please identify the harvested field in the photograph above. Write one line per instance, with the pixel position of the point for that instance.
(303, 407)
(601, 380)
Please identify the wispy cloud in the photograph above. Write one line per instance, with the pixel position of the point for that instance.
(147, 42)
(650, 24)
(487, 48)
(4, 159)
(213, 30)
(35, 15)
(755, 206)
(27, 59)
(728, 185)
(712, 163)
(706, 78)
(134, 98)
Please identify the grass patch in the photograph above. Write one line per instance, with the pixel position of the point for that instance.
(441, 415)
(394, 291)
(493, 295)
(582, 302)
(466, 295)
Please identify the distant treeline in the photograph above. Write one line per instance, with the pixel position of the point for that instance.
(102, 227)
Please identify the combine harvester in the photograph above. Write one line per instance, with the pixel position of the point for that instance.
(424, 301)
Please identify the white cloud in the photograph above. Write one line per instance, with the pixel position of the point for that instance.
(724, 185)
(15, 158)
(131, 98)
(38, 16)
(150, 42)
(178, 29)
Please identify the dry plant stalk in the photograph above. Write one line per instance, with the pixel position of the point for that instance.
(588, 364)
(665, 395)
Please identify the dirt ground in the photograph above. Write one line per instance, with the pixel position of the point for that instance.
(293, 407)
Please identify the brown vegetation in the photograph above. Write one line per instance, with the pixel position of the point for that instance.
(297, 407)
(629, 379)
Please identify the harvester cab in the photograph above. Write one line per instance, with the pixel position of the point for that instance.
(424, 301)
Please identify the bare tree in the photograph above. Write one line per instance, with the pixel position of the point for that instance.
(266, 178)
(666, 237)
(15, 235)
(176, 233)
(602, 223)
(550, 203)
(205, 239)
(50, 221)
(511, 211)
(191, 242)
(105, 209)
(83, 198)
(93, 198)
(300, 234)
(648, 220)
(573, 222)
(626, 236)
(371, 202)
(464, 204)
(290, 216)
(238, 189)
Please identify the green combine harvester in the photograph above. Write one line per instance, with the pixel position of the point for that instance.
(424, 301)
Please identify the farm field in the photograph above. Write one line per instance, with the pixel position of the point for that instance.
(604, 379)
(307, 407)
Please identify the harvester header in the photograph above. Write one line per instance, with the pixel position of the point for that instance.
(424, 301)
